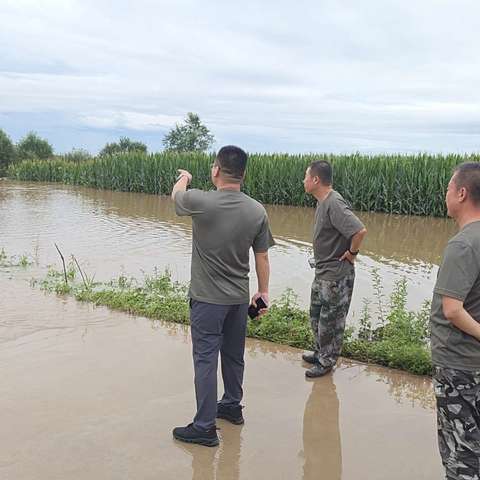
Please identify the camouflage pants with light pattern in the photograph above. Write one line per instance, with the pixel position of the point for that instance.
(329, 304)
(458, 421)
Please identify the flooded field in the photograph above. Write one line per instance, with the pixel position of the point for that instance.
(90, 393)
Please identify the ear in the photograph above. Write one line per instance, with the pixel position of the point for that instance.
(462, 194)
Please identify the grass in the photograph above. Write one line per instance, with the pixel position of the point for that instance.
(398, 340)
(402, 184)
(7, 261)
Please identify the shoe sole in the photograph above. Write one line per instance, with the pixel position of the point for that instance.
(235, 421)
(309, 375)
(207, 442)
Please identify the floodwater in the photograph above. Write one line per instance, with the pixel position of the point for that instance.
(89, 393)
(94, 394)
(117, 232)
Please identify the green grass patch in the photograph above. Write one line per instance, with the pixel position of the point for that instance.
(398, 340)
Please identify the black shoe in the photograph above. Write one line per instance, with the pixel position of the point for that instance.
(309, 358)
(232, 413)
(317, 371)
(190, 434)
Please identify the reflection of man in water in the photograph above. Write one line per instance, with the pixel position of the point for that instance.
(321, 435)
(455, 327)
(337, 236)
(206, 465)
(226, 223)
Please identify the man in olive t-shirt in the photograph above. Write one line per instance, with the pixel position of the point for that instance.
(337, 236)
(226, 223)
(455, 331)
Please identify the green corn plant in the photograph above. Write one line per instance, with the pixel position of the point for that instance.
(400, 184)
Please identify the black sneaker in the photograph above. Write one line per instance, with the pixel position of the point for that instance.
(190, 434)
(317, 371)
(309, 358)
(232, 413)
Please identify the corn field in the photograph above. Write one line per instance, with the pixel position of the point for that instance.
(403, 184)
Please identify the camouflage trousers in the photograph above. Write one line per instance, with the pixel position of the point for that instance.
(329, 304)
(458, 421)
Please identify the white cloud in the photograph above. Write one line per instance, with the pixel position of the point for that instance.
(130, 120)
(323, 75)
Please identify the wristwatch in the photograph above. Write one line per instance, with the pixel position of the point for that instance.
(353, 253)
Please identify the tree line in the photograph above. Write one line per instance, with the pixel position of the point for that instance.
(191, 135)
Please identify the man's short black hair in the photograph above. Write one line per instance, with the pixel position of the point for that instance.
(468, 175)
(323, 170)
(232, 162)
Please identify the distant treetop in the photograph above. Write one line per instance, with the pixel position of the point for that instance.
(7, 151)
(190, 136)
(123, 146)
(33, 147)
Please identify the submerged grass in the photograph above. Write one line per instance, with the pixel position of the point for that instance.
(7, 261)
(400, 340)
(403, 184)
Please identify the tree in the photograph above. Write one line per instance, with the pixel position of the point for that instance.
(77, 155)
(191, 136)
(33, 147)
(125, 145)
(7, 151)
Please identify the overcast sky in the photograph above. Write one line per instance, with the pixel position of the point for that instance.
(270, 76)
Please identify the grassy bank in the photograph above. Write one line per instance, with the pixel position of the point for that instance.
(399, 341)
(403, 184)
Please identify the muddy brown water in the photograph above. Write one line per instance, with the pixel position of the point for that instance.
(90, 393)
(94, 394)
(113, 232)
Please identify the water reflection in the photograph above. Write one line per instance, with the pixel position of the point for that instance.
(322, 450)
(222, 463)
(403, 387)
(406, 239)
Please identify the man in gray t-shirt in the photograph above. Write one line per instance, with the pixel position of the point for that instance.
(226, 223)
(337, 236)
(455, 331)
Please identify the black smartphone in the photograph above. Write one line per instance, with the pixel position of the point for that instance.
(253, 311)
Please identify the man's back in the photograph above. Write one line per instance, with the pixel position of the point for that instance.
(226, 223)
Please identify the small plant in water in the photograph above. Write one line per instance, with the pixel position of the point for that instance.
(24, 261)
(400, 338)
(378, 294)
(3, 257)
(365, 330)
(13, 261)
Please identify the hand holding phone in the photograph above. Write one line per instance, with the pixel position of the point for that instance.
(254, 311)
(184, 173)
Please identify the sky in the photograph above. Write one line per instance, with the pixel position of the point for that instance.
(335, 76)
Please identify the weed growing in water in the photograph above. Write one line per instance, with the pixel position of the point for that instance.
(6, 261)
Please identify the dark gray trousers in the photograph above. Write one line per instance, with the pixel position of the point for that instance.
(217, 328)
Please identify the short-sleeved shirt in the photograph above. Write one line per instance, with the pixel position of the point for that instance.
(334, 226)
(459, 278)
(225, 225)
